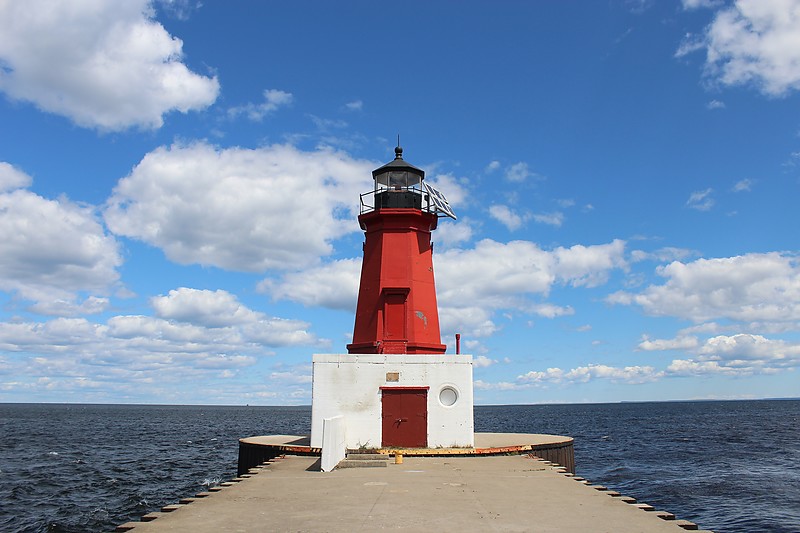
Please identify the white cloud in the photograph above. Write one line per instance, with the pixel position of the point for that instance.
(518, 172)
(496, 274)
(482, 361)
(551, 219)
(132, 341)
(450, 187)
(678, 343)
(565, 202)
(273, 100)
(54, 253)
(507, 217)
(293, 376)
(668, 253)
(202, 307)
(691, 43)
(589, 266)
(695, 4)
(135, 354)
(69, 306)
(752, 287)
(180, 9)
(637, 7)
(469, 320)
(500, 385)
(552, 311)
(628, 374)
(492, 166)
(450, 233)
(754, 42)
(751, 347)
(471, 284)
(707, 327)
(355, 105)
(689, 367)
(584, 374)
(334, 285)
(715, 104)
(12, 178)
(280, 332)
(209, 311)
(743, 185)
(327, 124)
(240, 209)
(103, 64)
(701, 200)
(739, 355)
(714, 328)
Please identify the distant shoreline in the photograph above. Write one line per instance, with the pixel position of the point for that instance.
(308, 406)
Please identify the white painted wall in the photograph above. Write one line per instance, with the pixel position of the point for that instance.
(349, 385)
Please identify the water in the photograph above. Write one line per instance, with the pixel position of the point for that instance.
(79, 468)
(729, 466)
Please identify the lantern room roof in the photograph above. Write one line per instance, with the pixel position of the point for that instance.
(398, 165)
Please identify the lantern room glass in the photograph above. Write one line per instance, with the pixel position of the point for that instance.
(398, 179)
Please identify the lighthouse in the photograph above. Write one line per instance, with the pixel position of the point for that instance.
(397, 311)
(396, 387)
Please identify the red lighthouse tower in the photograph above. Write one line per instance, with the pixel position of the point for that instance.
(396, 386)
(397, 311)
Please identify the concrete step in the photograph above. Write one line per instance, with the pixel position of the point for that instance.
(364, 460)
(357, 456)
(351, 463)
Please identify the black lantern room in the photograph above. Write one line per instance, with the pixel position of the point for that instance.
(397, 184)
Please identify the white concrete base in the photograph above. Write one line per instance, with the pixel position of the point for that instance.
(333, 445)
(350, 385)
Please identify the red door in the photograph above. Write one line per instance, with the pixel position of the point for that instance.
(394, 317)
(394, 323)
(405, 417)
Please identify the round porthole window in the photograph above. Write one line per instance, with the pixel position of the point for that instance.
(448, 396)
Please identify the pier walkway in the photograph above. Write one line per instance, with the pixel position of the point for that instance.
(463, 494)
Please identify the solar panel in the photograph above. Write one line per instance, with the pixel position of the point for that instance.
(439, 201)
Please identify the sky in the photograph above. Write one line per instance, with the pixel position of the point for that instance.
(180, 181)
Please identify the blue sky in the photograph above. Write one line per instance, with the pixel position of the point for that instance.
(179, 184)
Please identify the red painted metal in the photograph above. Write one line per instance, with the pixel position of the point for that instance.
(404, 417)
(397, 310)
(458, 343)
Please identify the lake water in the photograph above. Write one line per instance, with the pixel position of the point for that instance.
(728, 466)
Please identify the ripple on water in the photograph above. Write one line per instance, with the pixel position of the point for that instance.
(704, 461)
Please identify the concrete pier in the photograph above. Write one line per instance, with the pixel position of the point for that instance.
(424, 493)
(556, 448)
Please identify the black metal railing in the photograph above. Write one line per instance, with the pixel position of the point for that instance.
(396, 197)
